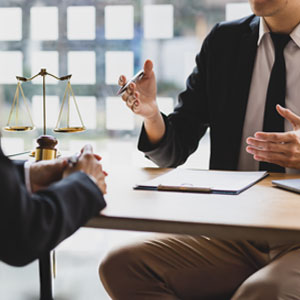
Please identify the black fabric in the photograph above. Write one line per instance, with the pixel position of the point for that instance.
(32, 224)
(216, 97)
(273, 122)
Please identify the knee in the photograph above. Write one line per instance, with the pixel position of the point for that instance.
(257, 290)
(114, 265)
(119, 269)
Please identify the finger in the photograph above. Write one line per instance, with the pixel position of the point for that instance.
(267, 146)
(137, 95)
(103, 188)
(289, 115)
(122, 80)
(130, 100)
(126, 94)
(135, 102)
(267, 156)
(129, 91)
(64, 163)
(105, 173)
(87, 149)
(97, 156)
(135, 107)
(59, 163)
(148, 67)
(132, 88)
(276, 137)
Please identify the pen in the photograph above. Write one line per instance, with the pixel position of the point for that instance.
(16, 154)
(161, 187)
(72, 160)
(138, 76)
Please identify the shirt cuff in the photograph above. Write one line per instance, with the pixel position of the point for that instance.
(27, 165)
(145, 145)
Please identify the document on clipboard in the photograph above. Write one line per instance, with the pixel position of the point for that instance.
(203, 181)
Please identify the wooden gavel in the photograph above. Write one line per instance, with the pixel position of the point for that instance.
(46, 149)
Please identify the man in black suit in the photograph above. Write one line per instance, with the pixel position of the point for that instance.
(58, 199)
(244, 69)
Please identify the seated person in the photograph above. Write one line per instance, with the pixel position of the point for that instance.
(62, 198)
(234, 89)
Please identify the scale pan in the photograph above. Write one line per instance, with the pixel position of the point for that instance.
(19, 128)
(69, 129)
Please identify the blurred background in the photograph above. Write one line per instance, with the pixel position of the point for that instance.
(95, 41)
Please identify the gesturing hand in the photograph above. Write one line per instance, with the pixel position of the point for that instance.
(140, 97)
(281, 148)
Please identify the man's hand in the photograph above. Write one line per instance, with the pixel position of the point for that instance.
(140, 97)
(89, 163)
(282, 148)
(45, 172)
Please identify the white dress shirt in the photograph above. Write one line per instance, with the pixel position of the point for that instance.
(258, 89)
(27, 165)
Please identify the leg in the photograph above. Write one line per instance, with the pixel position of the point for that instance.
(279, 280)
(45, 277)
(179, 267)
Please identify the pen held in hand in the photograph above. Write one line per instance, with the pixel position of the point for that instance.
(138, 76)
(72, 160)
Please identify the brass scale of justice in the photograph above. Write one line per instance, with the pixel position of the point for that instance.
(46, 149)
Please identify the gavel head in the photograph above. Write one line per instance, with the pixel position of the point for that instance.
(46, 149)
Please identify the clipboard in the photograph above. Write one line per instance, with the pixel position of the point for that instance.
(203, 181)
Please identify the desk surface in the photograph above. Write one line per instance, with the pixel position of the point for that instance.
(261, 212)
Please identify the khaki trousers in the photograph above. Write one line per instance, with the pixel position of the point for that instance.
(185, 267)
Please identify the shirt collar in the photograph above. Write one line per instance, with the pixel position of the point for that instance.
(264, 29)
(295, 35)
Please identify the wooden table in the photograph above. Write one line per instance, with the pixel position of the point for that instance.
(261, 212)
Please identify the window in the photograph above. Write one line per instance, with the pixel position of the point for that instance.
(114, 29)
(158, 21)
(98, 41)
(44, 23)
(81, 22)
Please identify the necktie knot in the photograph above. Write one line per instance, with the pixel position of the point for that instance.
(280, 40)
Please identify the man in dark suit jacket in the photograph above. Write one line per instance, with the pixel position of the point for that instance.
(227, 93)
(62, 198)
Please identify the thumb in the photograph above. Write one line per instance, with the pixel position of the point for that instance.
(289, 115)
(60, 163)
(148, 67)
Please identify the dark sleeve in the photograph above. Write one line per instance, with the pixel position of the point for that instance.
(20, 167)
(189, 121)
(33, 224)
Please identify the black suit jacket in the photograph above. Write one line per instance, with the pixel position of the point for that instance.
(31, 224)
(216, 96)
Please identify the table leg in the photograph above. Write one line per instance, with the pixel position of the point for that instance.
(45, 277)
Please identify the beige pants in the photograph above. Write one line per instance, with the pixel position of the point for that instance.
(186, 267)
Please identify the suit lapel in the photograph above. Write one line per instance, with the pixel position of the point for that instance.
(242, 81)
